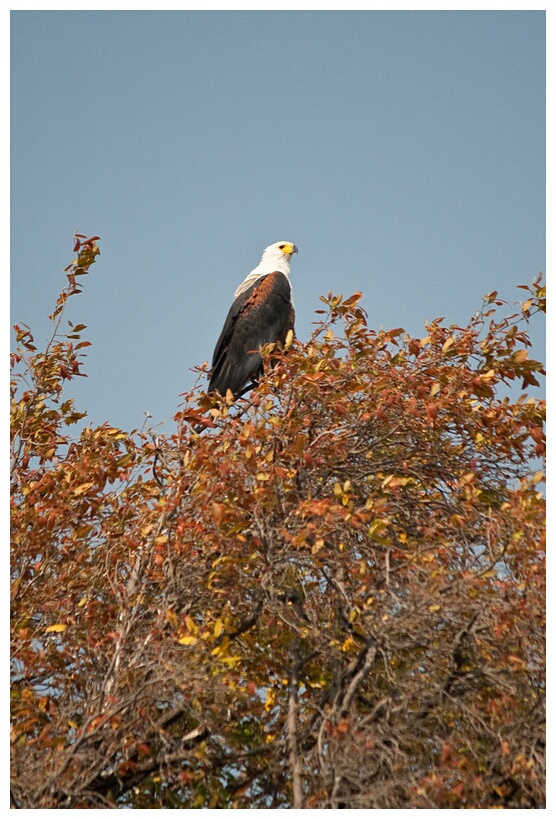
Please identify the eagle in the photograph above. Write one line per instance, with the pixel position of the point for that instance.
(262, 312)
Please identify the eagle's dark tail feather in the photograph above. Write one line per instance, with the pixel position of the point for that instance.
(226, 376)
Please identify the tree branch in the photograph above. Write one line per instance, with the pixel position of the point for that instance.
(295, 762)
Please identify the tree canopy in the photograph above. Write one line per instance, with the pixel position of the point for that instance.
(330, 595)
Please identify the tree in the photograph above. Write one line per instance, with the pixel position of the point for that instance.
(330, 595)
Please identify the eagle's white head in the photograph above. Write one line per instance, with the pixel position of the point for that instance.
(275, 257)
(279, 253)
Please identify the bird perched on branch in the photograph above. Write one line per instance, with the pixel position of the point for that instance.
(262, 313)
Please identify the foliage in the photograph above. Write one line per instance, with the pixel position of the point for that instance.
(330, 595)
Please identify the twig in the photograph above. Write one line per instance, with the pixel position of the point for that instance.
(364, 665)
(295, 763)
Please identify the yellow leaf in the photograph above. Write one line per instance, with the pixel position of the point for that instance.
(434, 608)
(125, 460)
(230, 661)
(434, 389)
(191, 625)
(187, 640)
(221, 648)
(80, 490)
(378, 527)
(289, 339)
(218, 628)
(160, 540)
(447, 344)
(262, 476)
(56, 627)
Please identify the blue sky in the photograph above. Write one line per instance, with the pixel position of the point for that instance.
(403, 153)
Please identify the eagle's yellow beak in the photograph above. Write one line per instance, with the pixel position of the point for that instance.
(289, 249)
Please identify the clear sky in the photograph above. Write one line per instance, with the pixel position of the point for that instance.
(402, 152)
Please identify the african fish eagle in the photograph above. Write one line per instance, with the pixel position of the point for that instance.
(262, 313)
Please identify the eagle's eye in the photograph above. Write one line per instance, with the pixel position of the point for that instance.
(282, 247)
